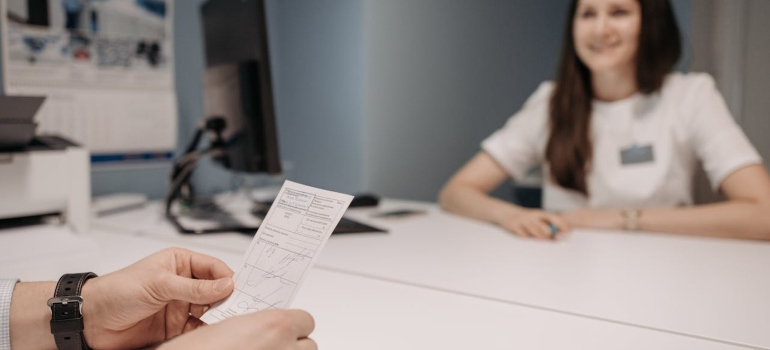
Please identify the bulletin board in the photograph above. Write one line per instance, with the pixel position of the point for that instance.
(106, 67)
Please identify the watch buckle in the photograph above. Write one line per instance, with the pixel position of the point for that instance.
(66, 300)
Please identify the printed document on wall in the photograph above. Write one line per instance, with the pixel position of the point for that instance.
(286, 246)
(106, 67)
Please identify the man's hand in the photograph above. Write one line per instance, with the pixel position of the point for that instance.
(153, 299)
(265, 330)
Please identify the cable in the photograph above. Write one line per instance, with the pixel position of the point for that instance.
(186, 165)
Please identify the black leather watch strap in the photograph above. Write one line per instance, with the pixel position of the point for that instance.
(66, 317)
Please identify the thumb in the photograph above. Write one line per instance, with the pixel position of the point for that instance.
(197, 291)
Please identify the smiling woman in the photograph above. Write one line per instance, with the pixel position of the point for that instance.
(612, 50)
(606, 36)
(619, 137)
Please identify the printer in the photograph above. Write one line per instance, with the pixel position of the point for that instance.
(40, 176)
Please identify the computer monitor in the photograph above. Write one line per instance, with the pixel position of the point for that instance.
(237, 84)
(240, 117)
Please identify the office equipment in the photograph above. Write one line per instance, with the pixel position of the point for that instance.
(37, 13)
(208, 216)
(41, 177)
(48, 177)
(117, 202)
(102, 92)
(239, 120)
(365, 200)
(237, 84)
(17, 125)
(398, 213)
(345, 225)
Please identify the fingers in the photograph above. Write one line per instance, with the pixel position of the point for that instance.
(203, 266)
(524, 229)
(276, 326)
(195, 291)
(307, 344)
(269, 329)
(557, 226)
(540, 225)
(540, 229)
(303, 322)
(532, 228)
(561, 224)
(193, 323)
(198, 310)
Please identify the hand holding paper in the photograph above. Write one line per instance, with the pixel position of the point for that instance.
(285, 247)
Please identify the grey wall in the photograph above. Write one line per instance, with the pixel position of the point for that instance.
(319, 77)
(731, 41)
(444, 74)
(683, 9)
(756, 98)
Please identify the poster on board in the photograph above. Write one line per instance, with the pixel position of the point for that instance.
(106, 67)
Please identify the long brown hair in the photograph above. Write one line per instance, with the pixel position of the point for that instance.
(569, 149)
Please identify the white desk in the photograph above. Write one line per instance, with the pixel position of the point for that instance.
(354, 312)
(711, 288)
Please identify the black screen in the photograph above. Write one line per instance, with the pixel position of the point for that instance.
(37, 13)
(237, 84)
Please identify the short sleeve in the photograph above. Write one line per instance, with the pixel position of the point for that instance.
(520, 144)
(719, 142)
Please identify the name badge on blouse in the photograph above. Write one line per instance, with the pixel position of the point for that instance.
(637, 155)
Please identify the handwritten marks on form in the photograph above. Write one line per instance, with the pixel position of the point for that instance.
(286, 245)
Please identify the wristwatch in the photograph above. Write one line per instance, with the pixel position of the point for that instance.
(631, 218)
(66, 316)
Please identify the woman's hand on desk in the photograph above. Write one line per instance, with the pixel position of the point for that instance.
(152, 300)
(536, 224)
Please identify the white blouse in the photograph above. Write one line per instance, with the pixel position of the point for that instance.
(687, 121)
